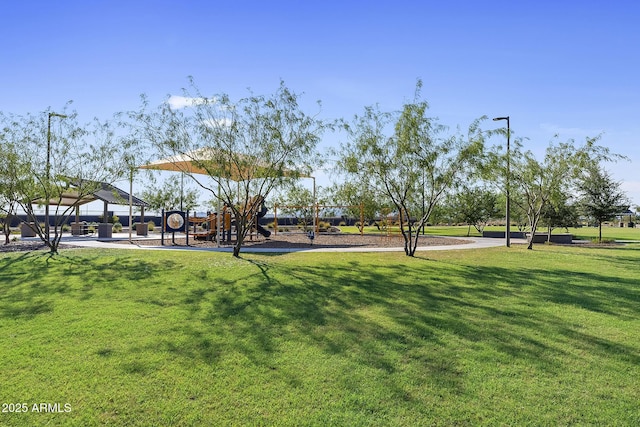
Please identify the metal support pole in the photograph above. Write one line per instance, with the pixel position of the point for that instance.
(275, 219)
(508, 185)
(508, 207)
(130, 203)
(315, 207)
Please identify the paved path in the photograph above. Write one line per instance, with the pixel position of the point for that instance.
(92, 242)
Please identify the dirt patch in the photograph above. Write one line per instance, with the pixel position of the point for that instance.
(279, 241)
(300, 240)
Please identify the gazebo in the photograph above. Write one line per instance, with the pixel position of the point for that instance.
(105, 192)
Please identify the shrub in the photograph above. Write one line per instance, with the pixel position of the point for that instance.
(151, 226)
(604, 241)
(117, 227)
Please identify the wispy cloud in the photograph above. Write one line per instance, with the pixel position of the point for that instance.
(569, 132)
(176, 102)
(214, 123)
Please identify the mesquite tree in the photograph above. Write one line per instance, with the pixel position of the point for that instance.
(236, 150)
(407, 157)
(54, 162)
(474, 206)
(536, 183)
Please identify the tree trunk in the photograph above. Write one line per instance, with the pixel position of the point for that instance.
(600, 232)
(415, 243)
(240, 234)
(534, 226)
(413, 239)
(410, 242)
(6, 228)
(407, 242)
(7, 231)
(53, 248)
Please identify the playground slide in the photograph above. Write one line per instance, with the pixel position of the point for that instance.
(263, 231)
(261, 213)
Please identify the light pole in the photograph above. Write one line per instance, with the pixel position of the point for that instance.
(315, 206)
(508, 233)
(48, 172)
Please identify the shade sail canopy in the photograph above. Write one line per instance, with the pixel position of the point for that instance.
(206, 161)
(179, 163)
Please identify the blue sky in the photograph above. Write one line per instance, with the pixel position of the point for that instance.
(555, 67)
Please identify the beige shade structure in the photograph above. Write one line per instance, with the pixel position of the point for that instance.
(207, 161)
(179, 163)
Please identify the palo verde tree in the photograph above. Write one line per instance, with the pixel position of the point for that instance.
(55, 163)
(536, 183)
(353, 196)
(559, 212)
(407, 157)
(9, 186)
(297, 202)
(170, 194)
(474, 206)
(600, 196)
(238, 150)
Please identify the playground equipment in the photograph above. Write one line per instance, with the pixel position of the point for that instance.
(256, 209)
(211, 226)
(207, 224)
(261, 213)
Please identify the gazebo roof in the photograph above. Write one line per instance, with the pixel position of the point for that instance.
(105, 192)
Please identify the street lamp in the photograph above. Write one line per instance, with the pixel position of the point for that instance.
(48, 172)
(508, 233)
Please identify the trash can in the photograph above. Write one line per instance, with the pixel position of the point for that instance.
(105, 230)
(26, 230)
(142, 229)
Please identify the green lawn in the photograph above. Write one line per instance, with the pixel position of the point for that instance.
(583, 233)
(472, 337)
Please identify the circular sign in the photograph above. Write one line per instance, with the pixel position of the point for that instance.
(175, 221)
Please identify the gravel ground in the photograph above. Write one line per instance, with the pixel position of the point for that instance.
(300, 240)
(281, 240)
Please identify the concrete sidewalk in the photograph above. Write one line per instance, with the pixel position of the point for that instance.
(94, 242)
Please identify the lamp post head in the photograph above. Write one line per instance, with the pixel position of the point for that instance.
(57, 115)
(500, 118)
